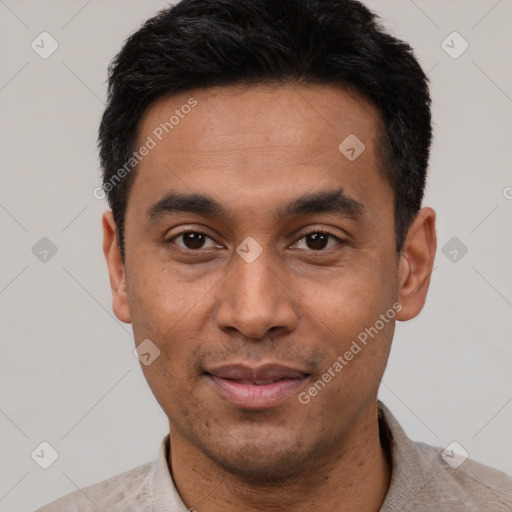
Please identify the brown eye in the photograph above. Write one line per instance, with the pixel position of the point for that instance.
(318, 241)
(192, 240)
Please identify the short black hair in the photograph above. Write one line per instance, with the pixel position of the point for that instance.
(207, 43)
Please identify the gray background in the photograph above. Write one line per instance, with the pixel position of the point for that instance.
(67, 369)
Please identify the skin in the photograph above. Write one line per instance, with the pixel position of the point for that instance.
(254, 149)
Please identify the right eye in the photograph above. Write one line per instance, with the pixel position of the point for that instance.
(192, 240)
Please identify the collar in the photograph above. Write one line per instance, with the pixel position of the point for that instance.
(410, 473)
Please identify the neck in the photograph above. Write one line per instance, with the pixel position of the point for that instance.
(353, 477)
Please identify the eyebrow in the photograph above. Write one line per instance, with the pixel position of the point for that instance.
(331, 201)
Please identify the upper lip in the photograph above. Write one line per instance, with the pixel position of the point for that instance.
(269, 371)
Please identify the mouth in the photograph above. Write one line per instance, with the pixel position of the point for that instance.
(256, 388)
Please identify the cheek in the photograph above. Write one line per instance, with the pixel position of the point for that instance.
(165, 310)
(162, 299)
(355, 330)
(172, 312)
(351, 299)
(353, 317)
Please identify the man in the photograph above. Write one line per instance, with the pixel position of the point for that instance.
(265, 163)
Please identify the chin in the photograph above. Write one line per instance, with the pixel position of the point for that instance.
(259, 466)
(259, 459)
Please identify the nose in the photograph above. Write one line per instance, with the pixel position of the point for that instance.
(255, 299)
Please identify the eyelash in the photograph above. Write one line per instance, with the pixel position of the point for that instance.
(316, 231)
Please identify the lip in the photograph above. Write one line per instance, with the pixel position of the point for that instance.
(259, 387)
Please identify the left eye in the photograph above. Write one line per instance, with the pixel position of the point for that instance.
(318, 240)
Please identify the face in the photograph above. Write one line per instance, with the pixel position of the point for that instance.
(257, 254)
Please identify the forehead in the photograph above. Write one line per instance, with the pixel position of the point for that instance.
(250, 142)
(293, 115)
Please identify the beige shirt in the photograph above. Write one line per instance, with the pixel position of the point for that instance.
(421, 481)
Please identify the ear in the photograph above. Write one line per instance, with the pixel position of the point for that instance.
(116, 268)
(416, 262)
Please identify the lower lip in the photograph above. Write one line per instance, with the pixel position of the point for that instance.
(251, 396)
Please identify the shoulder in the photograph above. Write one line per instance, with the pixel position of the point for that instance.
(425, 477)
(470, 485)
(115, 494)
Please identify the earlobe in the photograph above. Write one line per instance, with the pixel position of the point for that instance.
(416, 262)
(116, 268)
